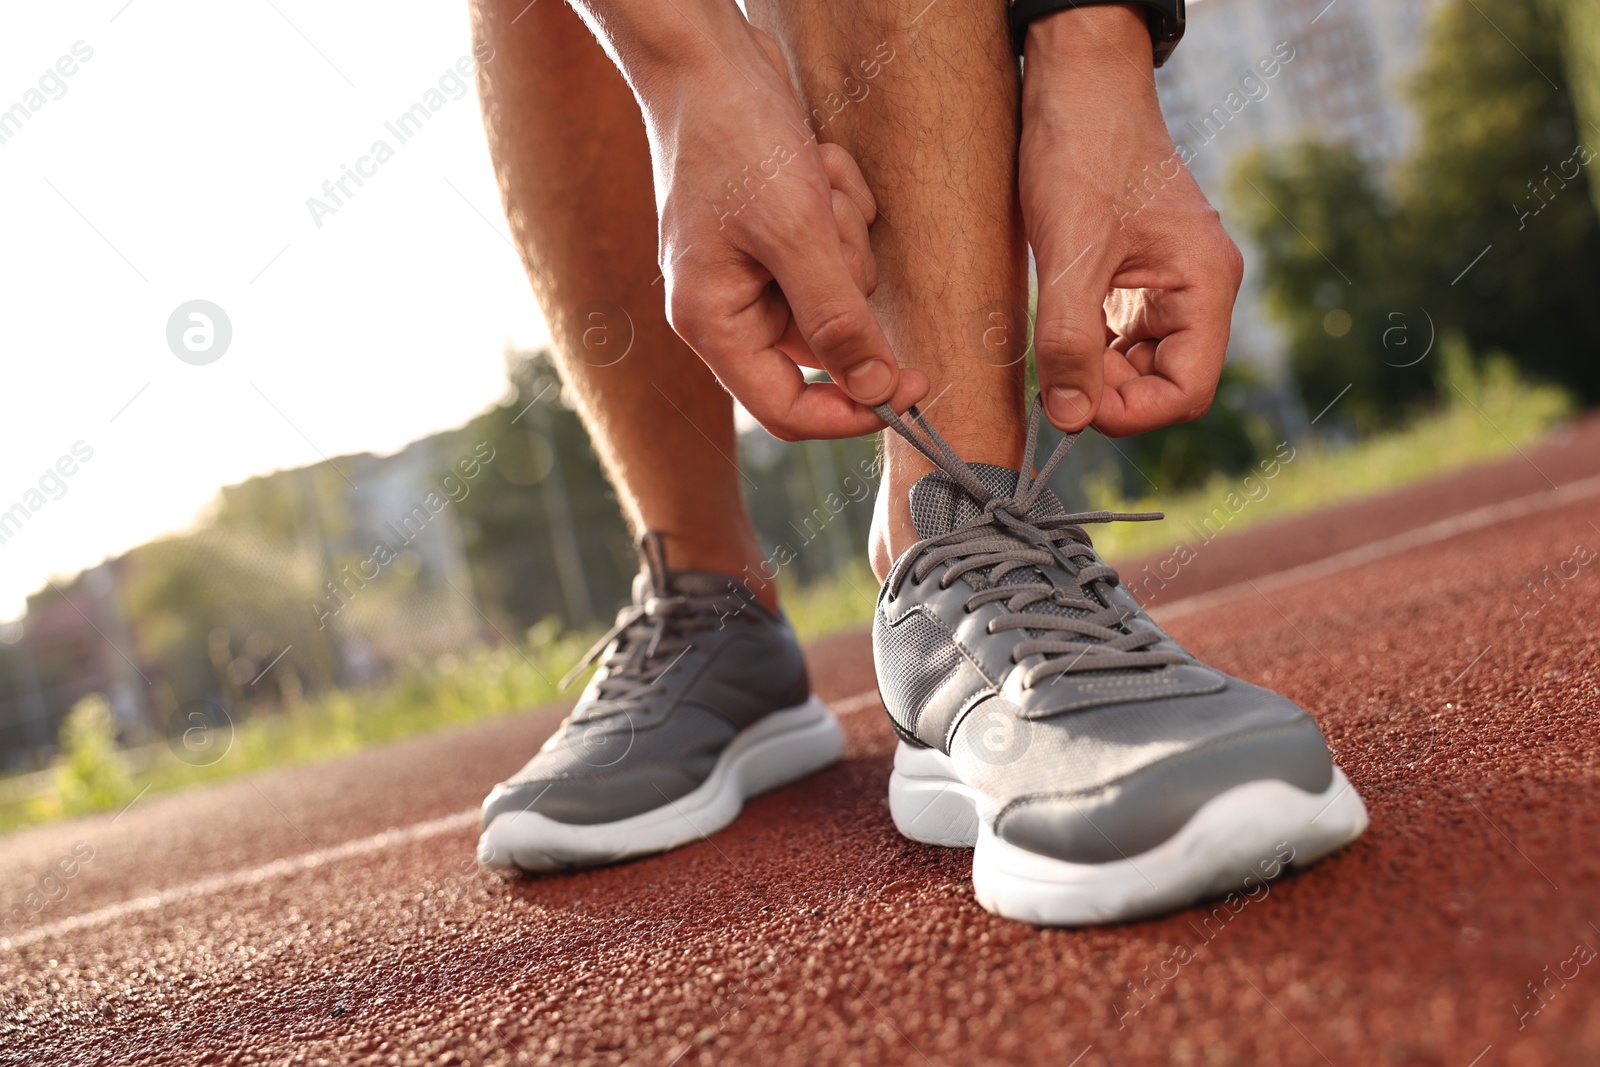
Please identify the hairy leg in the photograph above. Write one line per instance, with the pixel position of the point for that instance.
(925, 97)
(573, 162)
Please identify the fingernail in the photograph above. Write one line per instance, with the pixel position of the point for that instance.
(869, 379)
(1066, 404)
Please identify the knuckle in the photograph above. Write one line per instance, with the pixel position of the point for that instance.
(1212, 248)
(1200, 407)
(1065, 342)
(773, 415)
(836, 331)
(785, 226)
(780, 426)
(863, 267)
(688, 314)
(1232, 259)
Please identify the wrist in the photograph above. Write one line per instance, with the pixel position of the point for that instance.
(1100, 50)
(1093, 34)
(656, 44)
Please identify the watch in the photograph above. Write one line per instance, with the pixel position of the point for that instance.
(1165, 18)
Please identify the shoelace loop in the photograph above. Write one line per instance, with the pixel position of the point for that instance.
(1004, 539)
(649, 638)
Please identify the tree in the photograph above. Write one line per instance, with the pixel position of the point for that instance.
(1331, 274)
(213, 608)
(515, 514)
(1499, 172)
(1487, 231)
(1580, 48)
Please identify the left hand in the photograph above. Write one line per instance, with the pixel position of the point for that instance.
(1137, 277)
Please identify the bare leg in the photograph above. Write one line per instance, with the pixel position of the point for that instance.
(928, 105)
(574, 166)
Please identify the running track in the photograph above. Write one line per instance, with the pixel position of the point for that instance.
(333, 913)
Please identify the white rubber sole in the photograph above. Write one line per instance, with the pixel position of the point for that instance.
(1246, 835)
(783, 747)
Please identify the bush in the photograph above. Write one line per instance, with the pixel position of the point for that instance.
(91, 774)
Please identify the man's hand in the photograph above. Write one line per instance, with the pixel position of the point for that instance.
(764, 242)
(1136, 276)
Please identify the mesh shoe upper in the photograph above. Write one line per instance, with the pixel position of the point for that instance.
(1004, 641)
(691, 662)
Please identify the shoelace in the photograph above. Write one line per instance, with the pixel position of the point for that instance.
(1004, 539)
(650, 637)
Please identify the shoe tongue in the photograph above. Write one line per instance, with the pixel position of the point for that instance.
(939, 504)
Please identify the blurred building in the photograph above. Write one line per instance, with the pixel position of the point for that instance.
(73, 641)
(1339, 74)
(439, 611)
(338, 573)
(204, 614)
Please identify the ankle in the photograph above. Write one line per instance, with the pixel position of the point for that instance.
(880, 553)
(892, 531)
(737, 556)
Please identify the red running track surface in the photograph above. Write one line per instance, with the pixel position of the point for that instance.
(1460, 931)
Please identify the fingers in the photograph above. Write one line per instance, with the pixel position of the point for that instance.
(858, 257)
(854, 210)
(846, 177)
(824, 272)
(1133, 339)
(1165, 367)
(787, 288)
(738, 345)
(1069, 335)
(859, 260)
(748, 349)
(809, 264)
(775, 392)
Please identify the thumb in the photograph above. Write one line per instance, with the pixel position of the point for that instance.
(1069, 334)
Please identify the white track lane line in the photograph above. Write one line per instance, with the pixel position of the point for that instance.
(1433, 533)
(248, 876)
(364, 846)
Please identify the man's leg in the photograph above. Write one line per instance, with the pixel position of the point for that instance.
(718, 686)
(925, 97)
(570, 150)
(1196, 783)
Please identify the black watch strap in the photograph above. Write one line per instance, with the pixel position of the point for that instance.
(1164, 16)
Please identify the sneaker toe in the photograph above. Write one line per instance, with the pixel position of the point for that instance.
(591, 800)
(1143, 807)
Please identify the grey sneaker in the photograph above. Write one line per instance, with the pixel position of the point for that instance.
(1100, 771)
(700, 702)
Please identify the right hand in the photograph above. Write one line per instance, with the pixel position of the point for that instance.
(764, 246)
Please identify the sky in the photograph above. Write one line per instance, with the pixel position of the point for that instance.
(174, 164)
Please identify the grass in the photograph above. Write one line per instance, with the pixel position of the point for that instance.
(840, 602)
(1489, 414)
(93, 775)
(450, 691)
